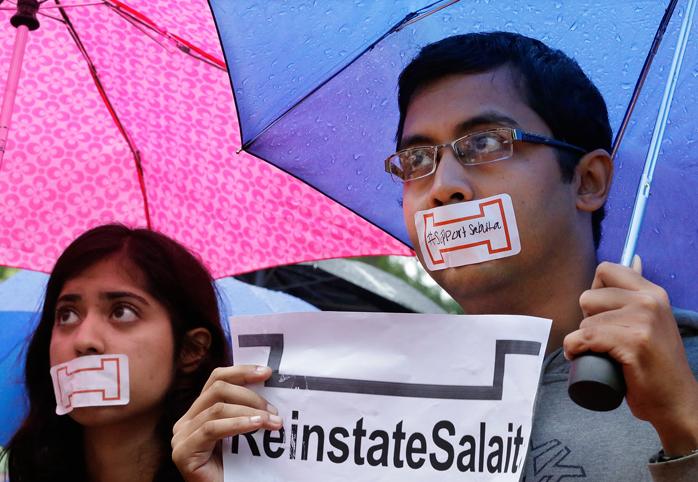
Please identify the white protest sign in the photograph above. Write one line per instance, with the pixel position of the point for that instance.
(387, 397)
(468, 232)
(91, 381)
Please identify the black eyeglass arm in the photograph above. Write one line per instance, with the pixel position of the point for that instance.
(536, 139)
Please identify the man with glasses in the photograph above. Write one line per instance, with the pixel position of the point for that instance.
(494, 114)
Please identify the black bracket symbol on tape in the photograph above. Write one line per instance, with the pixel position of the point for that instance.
(416, 390)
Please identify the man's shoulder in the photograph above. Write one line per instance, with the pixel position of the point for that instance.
(688, 326)
(687, 321)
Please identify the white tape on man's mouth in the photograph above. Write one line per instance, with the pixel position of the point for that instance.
(91, 381)
(468, 232)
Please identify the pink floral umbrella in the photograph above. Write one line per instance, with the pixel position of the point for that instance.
(124, 113)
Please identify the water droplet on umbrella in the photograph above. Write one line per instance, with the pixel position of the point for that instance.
(672, 276)
(357, 157)
(349, 187)
(379, 186)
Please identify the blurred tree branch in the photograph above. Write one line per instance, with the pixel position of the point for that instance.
(392, 265)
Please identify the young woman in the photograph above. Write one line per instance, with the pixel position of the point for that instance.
(117, 290)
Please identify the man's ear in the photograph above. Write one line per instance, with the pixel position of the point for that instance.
(194, 349)
(593, 180)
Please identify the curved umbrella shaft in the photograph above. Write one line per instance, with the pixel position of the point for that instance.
(643, 190)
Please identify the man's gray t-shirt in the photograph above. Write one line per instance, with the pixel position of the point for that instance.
(569, 442)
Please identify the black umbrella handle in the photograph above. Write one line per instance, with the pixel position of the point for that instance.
(596, 382)
(26, 14)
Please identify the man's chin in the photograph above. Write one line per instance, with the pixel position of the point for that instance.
(473, 280)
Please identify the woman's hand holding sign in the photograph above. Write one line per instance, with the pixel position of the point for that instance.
(224, 408)
(631, 319)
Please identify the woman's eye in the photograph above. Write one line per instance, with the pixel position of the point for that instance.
(124, 313)
(66, 317)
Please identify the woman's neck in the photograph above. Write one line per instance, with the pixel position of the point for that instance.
(124, 452)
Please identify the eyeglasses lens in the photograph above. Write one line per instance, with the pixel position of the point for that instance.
(484, 147)
(413, 163)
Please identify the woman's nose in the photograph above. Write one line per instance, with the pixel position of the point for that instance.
(88, 337)
(451, 183)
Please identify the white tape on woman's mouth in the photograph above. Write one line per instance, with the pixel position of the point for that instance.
(468, 232)
(91, 381)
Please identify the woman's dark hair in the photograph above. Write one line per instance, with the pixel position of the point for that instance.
(47, 446)
(552, 84)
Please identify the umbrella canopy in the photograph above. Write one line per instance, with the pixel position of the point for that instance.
(316, 89)
(124, 113)
(20, 306)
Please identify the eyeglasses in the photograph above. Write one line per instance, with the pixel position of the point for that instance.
(471, 149)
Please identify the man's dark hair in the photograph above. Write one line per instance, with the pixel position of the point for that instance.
(552, 84)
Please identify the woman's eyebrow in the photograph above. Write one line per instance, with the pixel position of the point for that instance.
(69, 298)
(113, 295)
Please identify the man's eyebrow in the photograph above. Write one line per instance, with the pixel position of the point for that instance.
(416, 140)
(486, 118)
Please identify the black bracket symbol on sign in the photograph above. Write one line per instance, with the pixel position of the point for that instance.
(372, 387)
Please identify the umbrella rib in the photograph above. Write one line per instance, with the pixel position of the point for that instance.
(395, 28)
(137, 24)
(112, 111)
(409, 19)
(139, 21)
(428, 11)
(659, 35)
(39, 12)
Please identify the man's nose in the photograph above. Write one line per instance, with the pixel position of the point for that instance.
(451, 183)
(89, 337)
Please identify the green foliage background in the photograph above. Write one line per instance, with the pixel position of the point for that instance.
(394, 266)
(6, 272)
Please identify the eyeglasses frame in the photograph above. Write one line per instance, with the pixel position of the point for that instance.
(516, 135)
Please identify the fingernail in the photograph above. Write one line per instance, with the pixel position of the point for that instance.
(567, 357)
(275, 419)
(272, 409)
(255, 419)
(261, 369)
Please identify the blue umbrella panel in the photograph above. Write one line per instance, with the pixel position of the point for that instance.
(316, 91)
